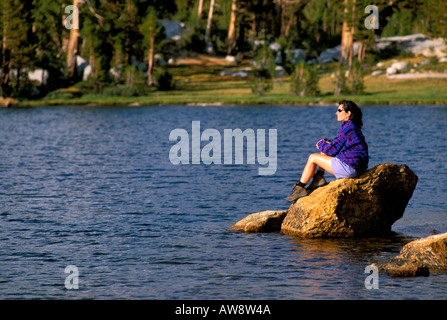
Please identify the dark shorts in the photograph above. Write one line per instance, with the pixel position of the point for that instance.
(342, 170)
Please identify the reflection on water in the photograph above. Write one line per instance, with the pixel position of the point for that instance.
(341, 251)
(94, 188)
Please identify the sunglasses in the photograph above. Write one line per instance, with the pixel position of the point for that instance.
(340, 110)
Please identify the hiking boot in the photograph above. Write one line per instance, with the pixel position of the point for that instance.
(297, 192)
(318, 181)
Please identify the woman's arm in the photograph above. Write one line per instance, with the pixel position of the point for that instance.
(331, 148)
(325, 140)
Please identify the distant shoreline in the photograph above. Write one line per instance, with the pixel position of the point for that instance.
(199, 84)
(66, 103)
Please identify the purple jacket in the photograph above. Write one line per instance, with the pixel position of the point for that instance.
(349, 146)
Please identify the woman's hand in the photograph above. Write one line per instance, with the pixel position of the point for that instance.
(327, 141)
(319, 142)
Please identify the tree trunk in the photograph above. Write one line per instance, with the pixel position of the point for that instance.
(72, 50)
(199, 9)
(208, 24)
(91, 60)
(131, 10)
(150, 61)
(361, 55)
(5, 59)
(232, 27)
(5, 53)
(346, 35)
(19, 72)
(351, 44)
(289, 24)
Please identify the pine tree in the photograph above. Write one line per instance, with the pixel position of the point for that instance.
(347, 34)
(263, 71)
(150, 30)
(304, 80)
(127, 30)
(127, 40)
(73, 41)
(16, 47)
(49, 39)
(435, 16)
(208, 26)
(319, 25)
(97, 29)
(362, 35)
(232, 27)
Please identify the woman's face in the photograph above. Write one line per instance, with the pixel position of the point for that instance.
(342, 115)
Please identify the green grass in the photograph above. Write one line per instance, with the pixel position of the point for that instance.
(202, 85)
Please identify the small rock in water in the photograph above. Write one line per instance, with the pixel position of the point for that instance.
(265, 221)
(419, 258)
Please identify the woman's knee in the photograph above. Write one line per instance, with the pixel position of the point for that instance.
(312, 157)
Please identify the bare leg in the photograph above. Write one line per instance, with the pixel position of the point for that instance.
(316, 160)
(319, 169)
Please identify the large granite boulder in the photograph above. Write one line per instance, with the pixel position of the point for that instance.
(419, 258)
(366, 205)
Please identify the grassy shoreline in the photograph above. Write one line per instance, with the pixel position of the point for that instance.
(199, 83)
(431, 95)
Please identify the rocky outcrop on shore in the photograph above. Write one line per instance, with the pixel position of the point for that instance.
(419, 258)
(415, 44)
(367, 205)
(7, 102)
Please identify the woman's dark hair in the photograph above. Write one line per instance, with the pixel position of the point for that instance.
(356, 112)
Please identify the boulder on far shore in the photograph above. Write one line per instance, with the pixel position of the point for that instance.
(397, 67)
(367, 205)
(7, 102)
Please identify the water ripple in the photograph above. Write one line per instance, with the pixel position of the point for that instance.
(94, 188)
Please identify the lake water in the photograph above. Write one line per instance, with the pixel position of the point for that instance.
(94, 188)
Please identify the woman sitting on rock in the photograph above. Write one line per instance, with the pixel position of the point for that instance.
(345, 157)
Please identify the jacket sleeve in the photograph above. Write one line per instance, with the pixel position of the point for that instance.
(332, 148)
